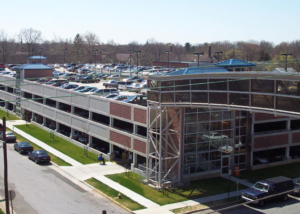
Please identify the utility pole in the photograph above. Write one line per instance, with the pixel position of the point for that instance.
(5, 167)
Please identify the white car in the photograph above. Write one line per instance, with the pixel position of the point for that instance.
(56, 65)
(214, 136)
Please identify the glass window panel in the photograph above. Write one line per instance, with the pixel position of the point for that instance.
(215, 165)
(215, 126)
(203, 127)
(190, 128)
(243, 130)
(288, 104)
(218, 84)
(215, 145)
(262, 101)
(239, 85)
(153, 85)
(199, 97)
(167, 85)
(182, 97)
(189, 139)
(228, 133)
(262, 86)
(153, 96)
(203, 157)
(203, 166)
(190, 118)
(202, 147)
(239, 99)
(182, 85)
(288, 87)
(200, 84)
(189, 110)
(203, 116)
(190, 148)
(220, 98)
(216, 115)
(228, 115)
(227, 124)
(215, 155)
(190, 158)
(167, 97)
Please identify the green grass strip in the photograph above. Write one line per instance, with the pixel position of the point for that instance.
(125, 201)
(59, 144)
(54, 158)
(8, 115)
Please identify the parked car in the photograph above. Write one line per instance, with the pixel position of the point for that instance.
(103, 92)
(43, 80)
(57, 84)
(87, 79)
(297, 186)
(123, 85)
(10, 136)
(69, 86)
(214, 136)
(23, 147)
(135, 87)
(137, 99)
(39, 156)
(87, 89)
(278, 187)
(111, 96)
(144, 89)
(110, 84)
(260, 159)
(121, 97)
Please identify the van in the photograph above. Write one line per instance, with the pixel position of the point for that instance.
(123, 85)
(103, 92)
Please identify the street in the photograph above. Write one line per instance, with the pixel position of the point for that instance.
(47, 189)
(291, 206)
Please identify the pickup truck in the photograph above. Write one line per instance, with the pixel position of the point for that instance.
(214, 136)
(111, 84)
(89, 79)
(264, 190)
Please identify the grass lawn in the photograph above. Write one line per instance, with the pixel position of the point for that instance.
(197, 189)
(288, 170)
(125, 201)
(8, 115)
(54, 158)
(1, 211)
(59, 144)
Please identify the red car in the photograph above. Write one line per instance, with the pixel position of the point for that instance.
(57, 84)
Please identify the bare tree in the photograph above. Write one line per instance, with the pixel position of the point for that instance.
(7, 47)
(31, 38)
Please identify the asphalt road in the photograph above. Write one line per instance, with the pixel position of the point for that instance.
(47, 189)
(278, 206)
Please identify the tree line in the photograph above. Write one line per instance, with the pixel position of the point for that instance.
(87, 48)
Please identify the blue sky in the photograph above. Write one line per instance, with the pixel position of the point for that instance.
(124, 21)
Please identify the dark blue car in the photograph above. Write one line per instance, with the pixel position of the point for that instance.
(23, 147)
(39, 156)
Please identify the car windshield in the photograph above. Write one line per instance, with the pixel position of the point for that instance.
(131, 98)
(41, 152)
(261, 187)
(9, 133)
(24, 144)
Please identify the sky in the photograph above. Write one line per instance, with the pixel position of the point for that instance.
(167, 21)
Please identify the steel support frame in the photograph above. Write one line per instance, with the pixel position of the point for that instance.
(161, 149)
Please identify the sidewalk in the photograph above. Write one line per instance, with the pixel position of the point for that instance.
(83, 172)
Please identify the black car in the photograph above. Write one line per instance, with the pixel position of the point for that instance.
(39, 156)
(23, 147)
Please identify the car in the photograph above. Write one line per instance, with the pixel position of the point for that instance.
(103, 92)
(214, 136)
(10, 136)
(110, 84)
(111, 96)
(268, 189)
(92, 91)
(69, 86)
(87, 89)
(23, 147)
(56, 66)
(39, 156)
(89, 79)
(121, 97)
(135, 87)
(57, 84)
(79, 88)
(260, 159)
(122, 85)
(144, 90)
(137, 99)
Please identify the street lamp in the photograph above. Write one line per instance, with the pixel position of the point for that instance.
(286, 56)
(137, 62)
(219, 52)
(198, 54)
(168, 52)
(41, 49)
(95, 51)
(130, 51)
(65, 49)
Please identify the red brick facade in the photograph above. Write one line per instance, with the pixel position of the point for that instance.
(120, 139)
(139, 146)
(269, 141)
(120, 110)
(140, 115)
(38, 73)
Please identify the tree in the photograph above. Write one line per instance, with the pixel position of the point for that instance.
(31, 38)
(234, 54)
(264, 56)
(7, 47)
(188, 47)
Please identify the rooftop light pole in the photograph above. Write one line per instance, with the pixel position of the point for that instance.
(137, 62)
(286, 56)
(40, 49)
(95, 51)
(130, 51)
(168, 52)
(65, 49)
(198, 54)
(101, 50)
(219, 52)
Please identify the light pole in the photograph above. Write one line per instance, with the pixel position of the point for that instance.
(286, 56)
(168, 52)
(198, 54)
(137, 62)
(41, 49)
(95, 51)
(130, 51)
(65, 49)
(22, 49)
(219, 52)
